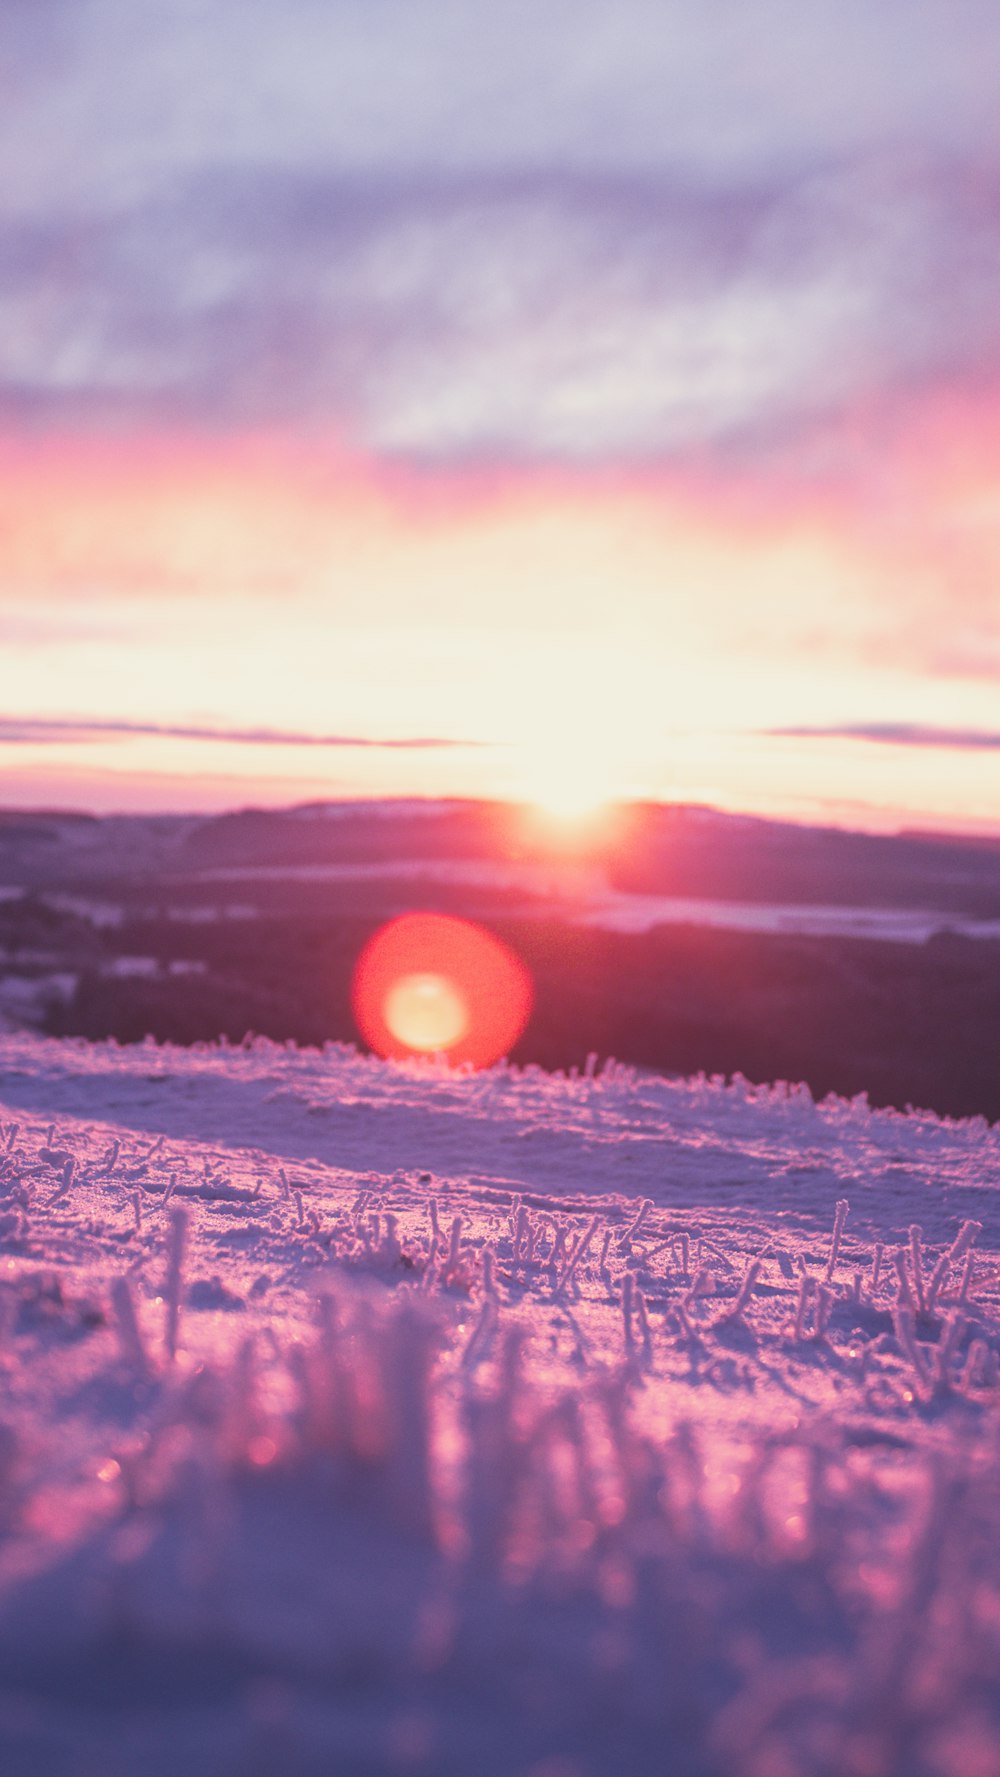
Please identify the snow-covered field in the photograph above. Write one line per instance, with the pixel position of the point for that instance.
(370, 1418)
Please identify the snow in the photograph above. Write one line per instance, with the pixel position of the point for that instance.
(584, 897)
(367, 1417)
(617, 911)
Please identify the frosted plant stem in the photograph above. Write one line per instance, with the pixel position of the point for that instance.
(454, 1241)
(173, 1289)
(806, 1287)
(916, 1264)
(709, 1246)
(558, 1249)
(877, 1264)
(937, 1279)
(665, 1246)
(839, 1218)
(391, 1249)
(947, 1347)
(127, 1323)
(702, 1284)
(905, 1295)
(240, 1408)
(907, 1336)
(408, 1358)
(627, 1299)
(750, 1276)
(636, 1223)
(967, 1274)
(967, 1234)
(520, 1232)
(579, 1251)
(430, 1272)
(644, 1326)
(486, 1320)
(974, 1362)
(489, 1272)
(65, 1186)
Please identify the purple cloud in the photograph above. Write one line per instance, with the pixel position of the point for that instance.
(562, 317)
(897, 734)
(558, 236)
(30, 730)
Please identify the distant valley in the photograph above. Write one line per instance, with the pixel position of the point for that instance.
(679, 939)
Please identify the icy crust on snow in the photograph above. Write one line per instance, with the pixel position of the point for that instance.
(361, 1417)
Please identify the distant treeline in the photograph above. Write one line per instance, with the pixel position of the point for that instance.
(908, 1024)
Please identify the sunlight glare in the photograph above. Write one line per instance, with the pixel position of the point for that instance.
(570, 777)
(568, 796)
(426, 1011)
(432, 984)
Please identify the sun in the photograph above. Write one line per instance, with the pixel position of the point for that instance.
(569, 797)
(571, 780)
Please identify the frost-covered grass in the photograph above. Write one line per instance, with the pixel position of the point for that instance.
(634, 1427)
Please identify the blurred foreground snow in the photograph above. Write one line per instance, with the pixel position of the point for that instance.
(363, 1418)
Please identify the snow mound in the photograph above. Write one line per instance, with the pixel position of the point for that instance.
(624, 1426)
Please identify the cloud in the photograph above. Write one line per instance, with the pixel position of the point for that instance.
(559, 317)
(35, 628)
(736, 86)
(897, 734)
(555, 234)
(31, 730)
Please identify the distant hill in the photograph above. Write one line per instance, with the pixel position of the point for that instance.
(679, 850)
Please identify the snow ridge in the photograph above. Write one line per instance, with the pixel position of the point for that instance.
(662, 1437)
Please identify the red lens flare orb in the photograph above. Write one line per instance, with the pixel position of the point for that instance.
(430, 984)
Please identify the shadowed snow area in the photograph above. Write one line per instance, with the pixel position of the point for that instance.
(371, 1418)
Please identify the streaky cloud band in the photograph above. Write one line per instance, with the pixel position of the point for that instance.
(30, 730)
(897, 734)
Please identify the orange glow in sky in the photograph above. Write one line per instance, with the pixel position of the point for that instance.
(427, 983)
(374, 426)
(298, 624)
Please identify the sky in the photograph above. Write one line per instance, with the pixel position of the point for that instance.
(410, 397)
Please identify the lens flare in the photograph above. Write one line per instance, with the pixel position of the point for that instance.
(426, 1012)
(428, 983)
